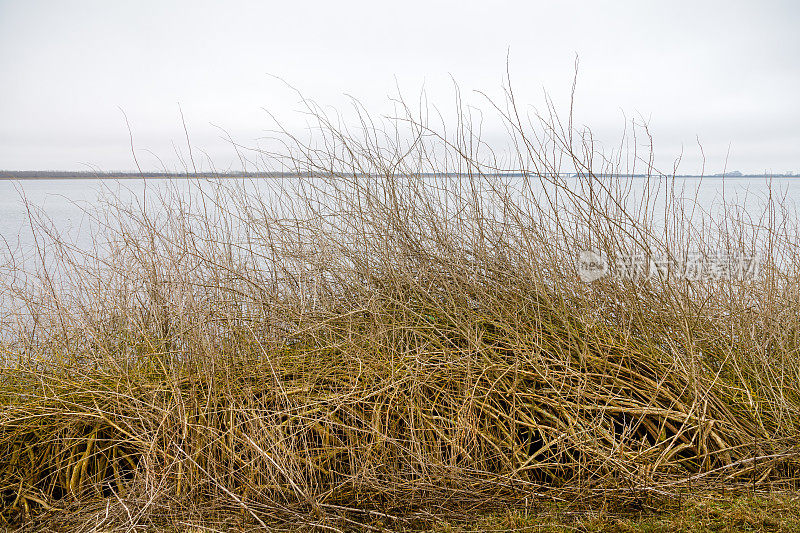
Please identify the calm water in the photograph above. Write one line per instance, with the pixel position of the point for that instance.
(67, 203)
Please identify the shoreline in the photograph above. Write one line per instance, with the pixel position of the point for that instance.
(288, 175)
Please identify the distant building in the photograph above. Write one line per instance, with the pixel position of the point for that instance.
(731, 174)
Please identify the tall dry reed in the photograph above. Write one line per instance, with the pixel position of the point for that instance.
(396, 330)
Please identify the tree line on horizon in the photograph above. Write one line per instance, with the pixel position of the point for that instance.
(52, 174)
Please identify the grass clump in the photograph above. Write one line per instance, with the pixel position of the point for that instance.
(700, 512)
(395, 333)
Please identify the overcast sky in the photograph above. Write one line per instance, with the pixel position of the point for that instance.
(724, 72)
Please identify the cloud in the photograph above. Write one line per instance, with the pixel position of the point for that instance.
(723, 71)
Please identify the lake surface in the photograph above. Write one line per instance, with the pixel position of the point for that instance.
(70, 205)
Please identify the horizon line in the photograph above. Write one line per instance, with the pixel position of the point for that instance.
(69, 174)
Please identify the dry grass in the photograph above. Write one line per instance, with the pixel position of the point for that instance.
(699, 512)
(369, 343)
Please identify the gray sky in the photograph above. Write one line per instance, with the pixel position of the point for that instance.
(726, 72)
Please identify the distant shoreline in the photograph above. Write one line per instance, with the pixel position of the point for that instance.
(57, 175)
(25, 175)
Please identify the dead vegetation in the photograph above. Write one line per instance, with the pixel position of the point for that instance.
(397, 333)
